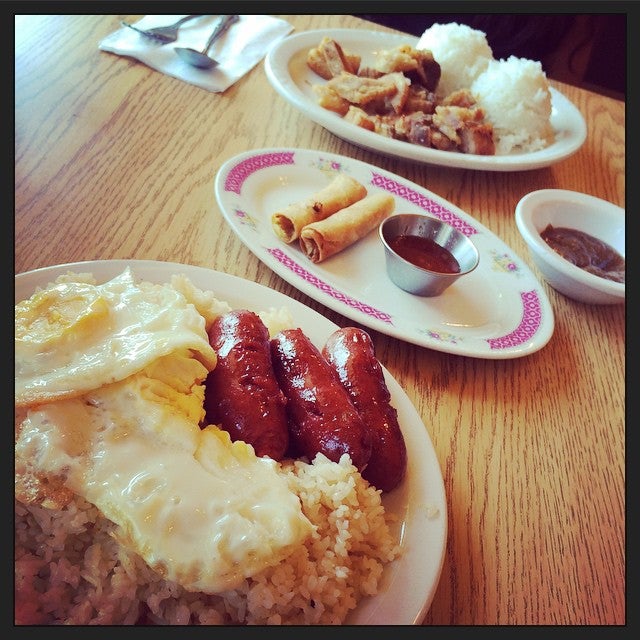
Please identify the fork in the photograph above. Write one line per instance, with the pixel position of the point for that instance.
(165, 35)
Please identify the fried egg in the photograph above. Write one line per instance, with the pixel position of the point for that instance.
(199, 509)
(73, 336)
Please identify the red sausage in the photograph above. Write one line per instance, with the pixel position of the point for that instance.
(242, 394)
(322, 418)
(351, 353)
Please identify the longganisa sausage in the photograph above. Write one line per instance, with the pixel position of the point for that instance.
(351, 353)
(242, 394)
(322, 417)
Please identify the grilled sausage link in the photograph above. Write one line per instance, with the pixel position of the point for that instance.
(350, 352)
(322, 418)
(241, 393)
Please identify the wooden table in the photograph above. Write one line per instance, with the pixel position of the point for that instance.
(115, 160)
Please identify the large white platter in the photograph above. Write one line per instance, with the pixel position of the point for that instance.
(419, 503)
(498, 311)
(287, 71)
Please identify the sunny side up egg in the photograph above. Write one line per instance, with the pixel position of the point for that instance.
(72, 337)
(109, 385)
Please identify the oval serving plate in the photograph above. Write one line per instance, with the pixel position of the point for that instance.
(287, 71)
(419, 503)
(499, 311)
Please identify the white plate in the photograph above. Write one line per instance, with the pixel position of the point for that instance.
(408, 583)
(286, 69)
(498, 311)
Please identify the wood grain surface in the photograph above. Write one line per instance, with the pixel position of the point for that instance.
(115, 160)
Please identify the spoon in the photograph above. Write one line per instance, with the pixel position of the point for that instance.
(200, 58)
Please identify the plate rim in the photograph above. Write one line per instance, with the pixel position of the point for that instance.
(276, 70)
(427, 482)
(547, 324)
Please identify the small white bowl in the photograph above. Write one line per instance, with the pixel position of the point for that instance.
(563, 208)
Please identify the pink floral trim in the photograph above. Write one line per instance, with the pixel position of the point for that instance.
(529, 323)
(244, 169)
(292, 265)
(430, 206)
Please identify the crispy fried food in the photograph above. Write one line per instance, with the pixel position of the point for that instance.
(359, 117)
(322, 239)
(361, 91)
(329, 59)
(342, 191)
(329, 99)
(395, 96)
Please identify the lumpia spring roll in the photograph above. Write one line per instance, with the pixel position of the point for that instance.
(322, 239)
(338, 194)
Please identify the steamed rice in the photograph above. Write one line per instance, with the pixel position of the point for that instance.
(516, 99)
(70, 569)
(463, 54)
(513, 93)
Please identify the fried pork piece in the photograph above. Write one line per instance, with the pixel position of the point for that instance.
(478, 138)
(395, 103)
(459, 98)
(417, 65)
(386, 94)
(466, 128)
(420, 99)
(472, 133)
(418, 128)
(329, 99)
(451, 120)
(427, 72)
(329, 59)
(400, 58)
(359, 117)
(361, 91)
(385, 125)
(414, 127)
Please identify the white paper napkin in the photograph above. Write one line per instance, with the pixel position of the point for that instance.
(238, 50)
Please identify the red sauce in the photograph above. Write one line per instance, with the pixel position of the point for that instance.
(586, 252)
(425, 253)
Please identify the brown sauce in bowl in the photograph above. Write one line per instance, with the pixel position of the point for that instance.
(586, 252)
(425, 253)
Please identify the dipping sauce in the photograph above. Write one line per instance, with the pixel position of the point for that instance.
(586, 252)
(425, 253)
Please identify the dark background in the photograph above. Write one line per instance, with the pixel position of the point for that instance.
(586, 50)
